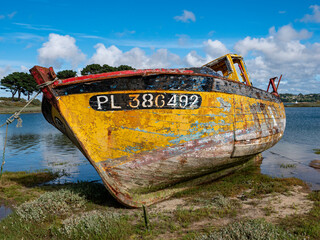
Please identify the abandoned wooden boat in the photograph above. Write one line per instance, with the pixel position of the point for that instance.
(151, 133)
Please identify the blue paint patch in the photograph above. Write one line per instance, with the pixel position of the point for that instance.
(225, 105)
(194, 132)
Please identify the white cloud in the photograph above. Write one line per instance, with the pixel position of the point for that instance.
(105, 55)
(27, 36)
(210, 34)
(58, 50)
(135, 57)
(4, 71)
(212, 49)
(314, 17)
(24, 69)
(185, 17)
(282, 52)
(125, 33)
(280, 46)
(36, 27)
(11, 15)
(288, 33)
(152, 44)
(215, 49)
(194, 60)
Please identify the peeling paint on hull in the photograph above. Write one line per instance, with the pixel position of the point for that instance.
(166, 128)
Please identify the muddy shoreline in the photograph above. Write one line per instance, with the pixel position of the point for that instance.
(239, 202)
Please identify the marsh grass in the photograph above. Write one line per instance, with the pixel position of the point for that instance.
(19, 187)
(85, 210)
(282, 165)
(307, 224)
(257, 229)
(57, 203)
(305, 104)
(93, 225)
(316, 151)
(29, 179)
(233, 185)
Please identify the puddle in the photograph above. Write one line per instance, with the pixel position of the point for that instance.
(4, 211)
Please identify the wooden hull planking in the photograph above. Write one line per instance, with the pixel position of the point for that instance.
(143, 154)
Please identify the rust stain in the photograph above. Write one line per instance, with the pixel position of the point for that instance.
(146, 130)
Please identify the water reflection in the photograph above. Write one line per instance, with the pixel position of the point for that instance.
(23, 142)
(58, 141)
(68, 160)
(38, 145)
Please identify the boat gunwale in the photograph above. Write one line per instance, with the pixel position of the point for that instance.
(107, 75)
(121, 74)
(103, 76)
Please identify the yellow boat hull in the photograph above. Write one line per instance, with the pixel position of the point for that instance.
(141, 147)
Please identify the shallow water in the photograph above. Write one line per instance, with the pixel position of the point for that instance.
(301, 137)
(38, 145)
(4, 211)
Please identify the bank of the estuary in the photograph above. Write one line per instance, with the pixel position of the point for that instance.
(247, 204)
(303, 104)
(7, 106)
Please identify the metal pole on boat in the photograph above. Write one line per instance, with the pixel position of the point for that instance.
(146, 221)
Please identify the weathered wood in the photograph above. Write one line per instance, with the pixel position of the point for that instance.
(146, 131)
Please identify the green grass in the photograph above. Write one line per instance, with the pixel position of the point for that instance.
(257, 229)
(85, 210)
(307, 224)
(94, 225)
(19, 187)
(282, 165)
(316, 151)
(7, 106)
(236, 183)
(58, 203)
(304, 104)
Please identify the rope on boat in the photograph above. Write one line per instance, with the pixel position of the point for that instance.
(15, 116)
(4, 150)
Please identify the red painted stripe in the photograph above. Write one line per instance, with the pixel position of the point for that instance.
(120, 74)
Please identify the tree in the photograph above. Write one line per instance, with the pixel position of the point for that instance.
(107, 68)
(66, 74)
(124, 67)
(29, 86)
(17, 83)
(91, 69)
(97, 68)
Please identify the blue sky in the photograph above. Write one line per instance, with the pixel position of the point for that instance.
(274, 37)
